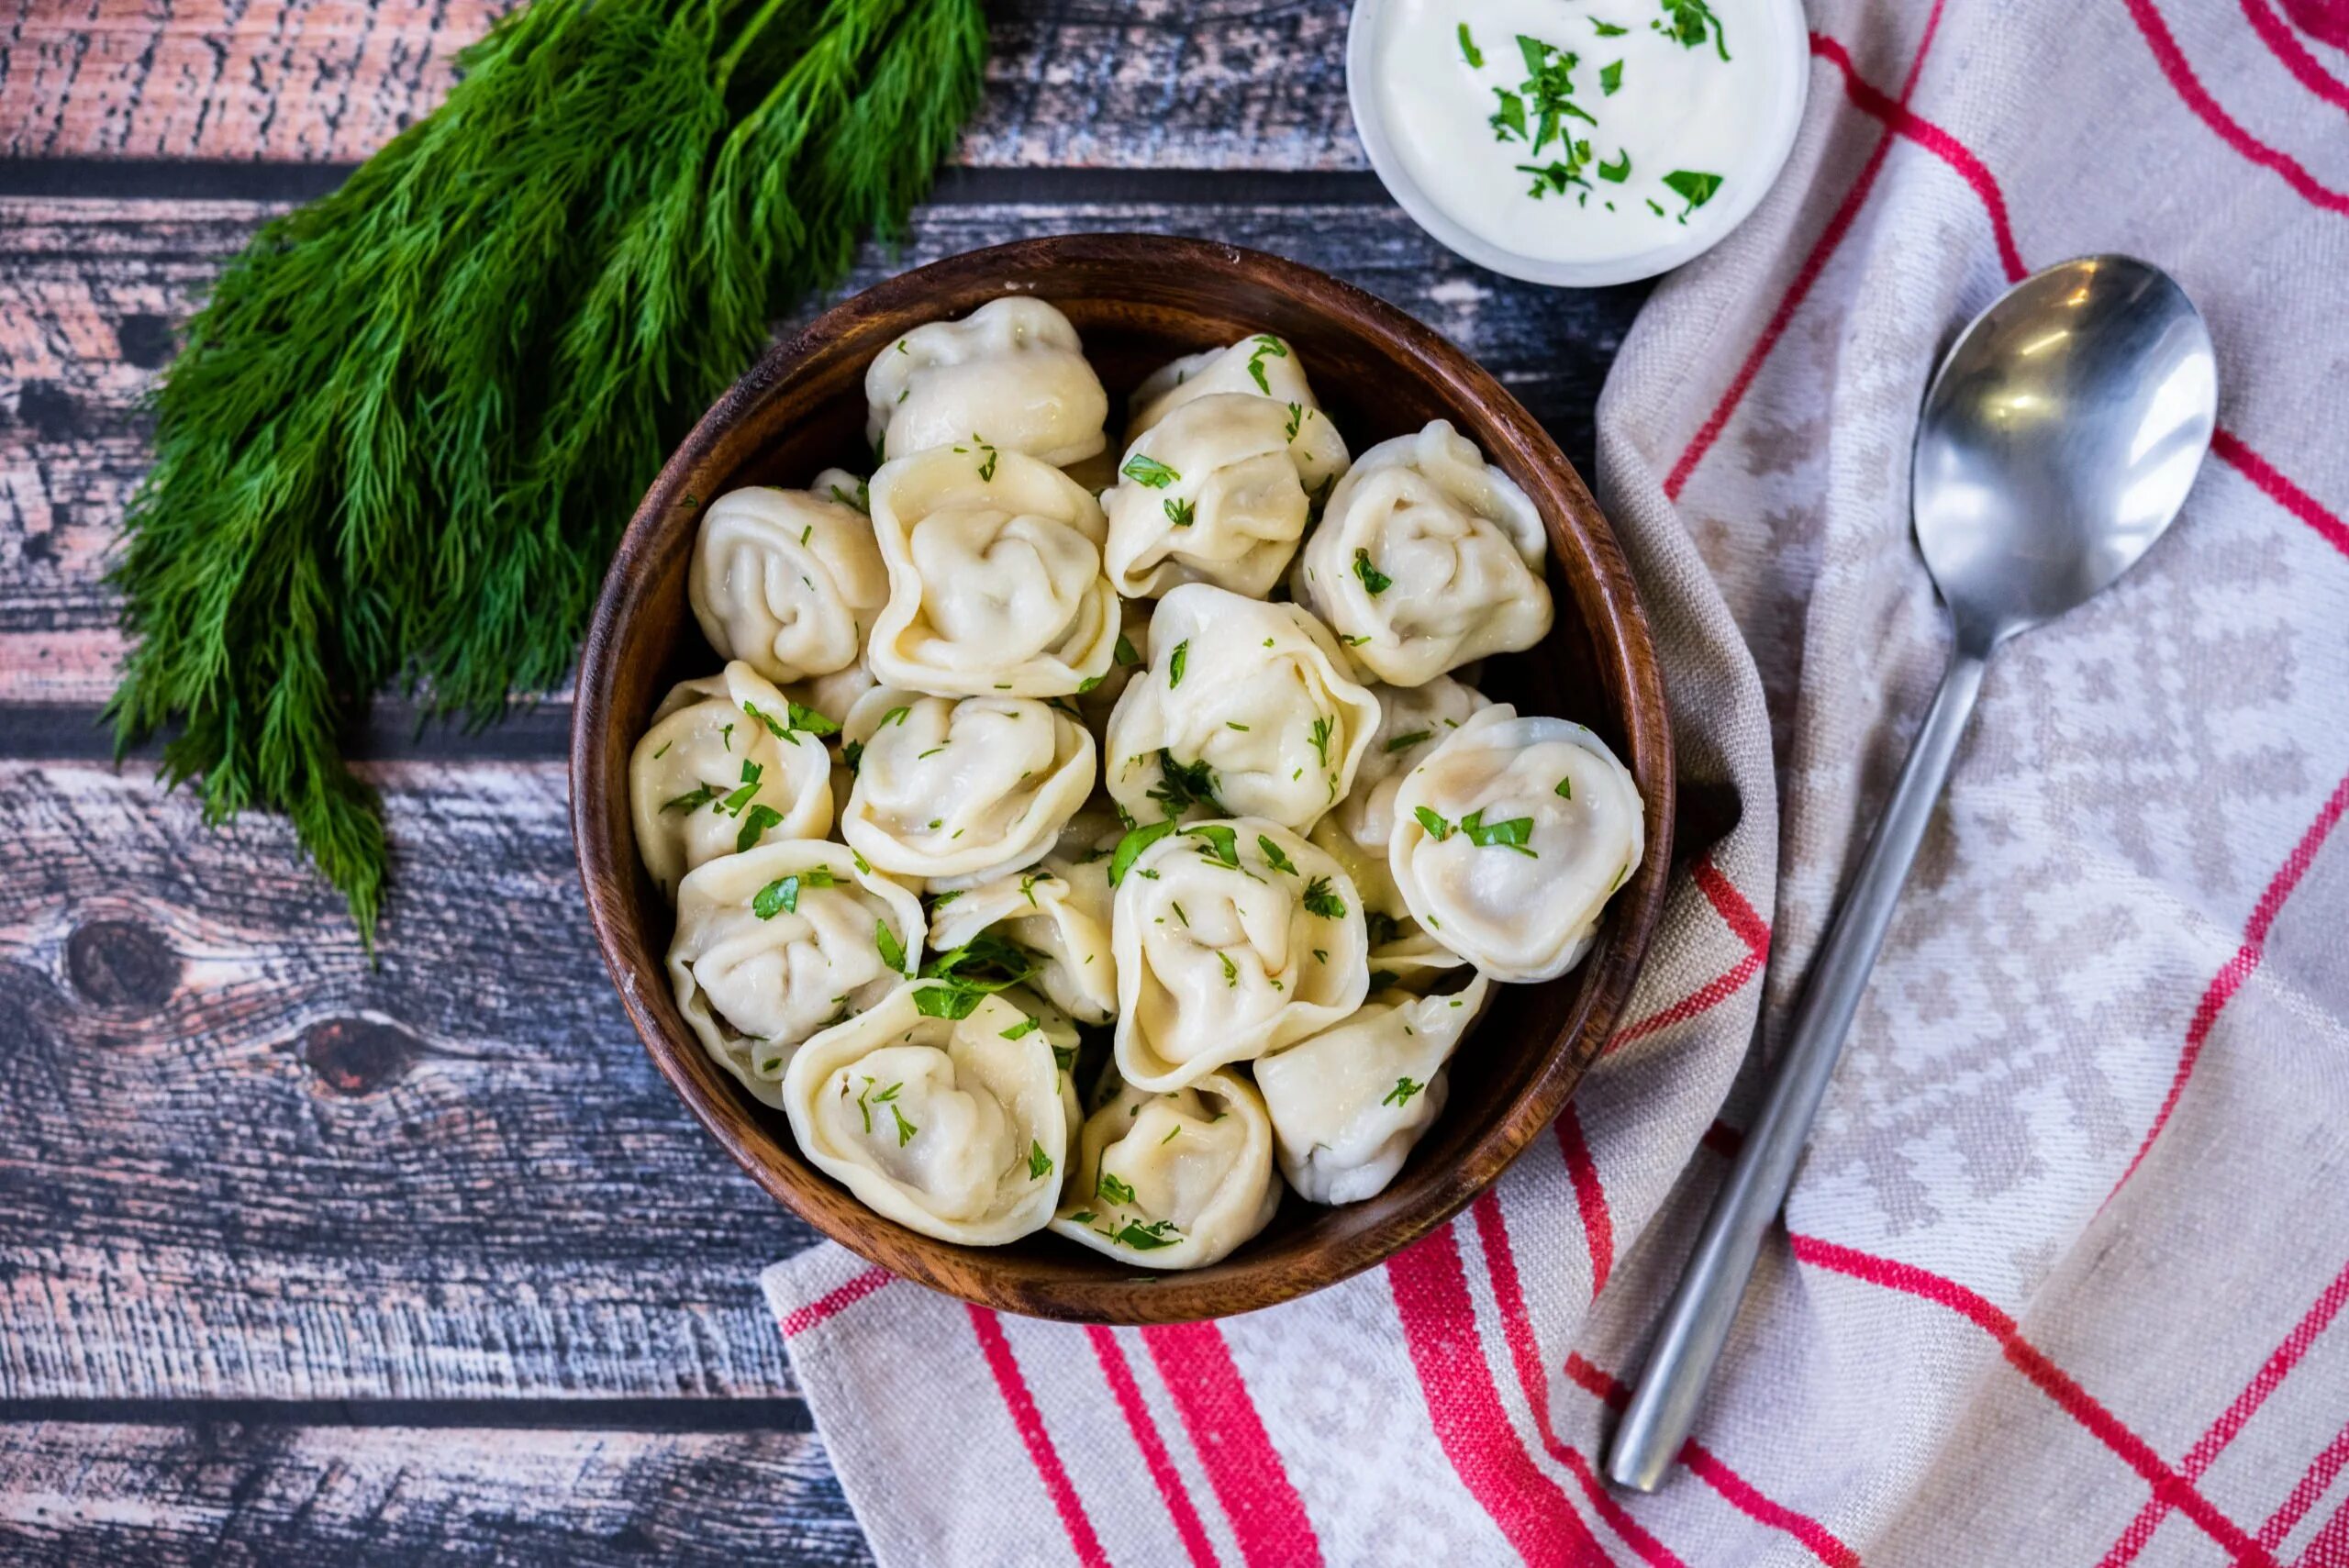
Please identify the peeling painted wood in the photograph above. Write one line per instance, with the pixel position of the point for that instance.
(89, 292)
(223, 1492)
(1132, 83)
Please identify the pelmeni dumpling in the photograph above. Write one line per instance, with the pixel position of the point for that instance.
(1510, 837)
(778, 943)
(1412, 722)
(788, 581)
(1247, 709)
(996, 582)
(1233, 939)
(1058, 910)
(725, 765)
(1264, 366)
(1426, 557)
(1217, 491)
(952, 1123)
(1172, 1181)
(966, 787)
(1348, 1103)
(1011, 373)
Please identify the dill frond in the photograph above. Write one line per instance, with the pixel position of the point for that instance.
(403, 433)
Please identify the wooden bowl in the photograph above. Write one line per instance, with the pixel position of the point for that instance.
(1139, 300)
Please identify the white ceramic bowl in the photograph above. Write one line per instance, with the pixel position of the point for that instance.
(1787, 47)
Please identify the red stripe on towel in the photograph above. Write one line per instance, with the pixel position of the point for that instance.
(1154, 1457)
(799, 1319)
(2044, 1374)
(1228, 1435)
(1439, 1330)
(1029, 1422)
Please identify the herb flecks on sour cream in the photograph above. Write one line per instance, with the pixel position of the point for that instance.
(1576, 131)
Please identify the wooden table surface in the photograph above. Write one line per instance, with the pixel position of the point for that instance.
(303, 1261)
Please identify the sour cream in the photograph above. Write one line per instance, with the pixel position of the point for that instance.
(1578, 141)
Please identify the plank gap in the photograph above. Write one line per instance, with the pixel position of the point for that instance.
(587, 1414)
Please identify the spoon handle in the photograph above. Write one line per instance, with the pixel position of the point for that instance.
(1697, 1321)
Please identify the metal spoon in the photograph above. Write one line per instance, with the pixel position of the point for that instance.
(2058, 439)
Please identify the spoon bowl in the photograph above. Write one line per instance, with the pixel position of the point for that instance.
(2058, 439)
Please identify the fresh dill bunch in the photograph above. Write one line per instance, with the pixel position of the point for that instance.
(404, 432)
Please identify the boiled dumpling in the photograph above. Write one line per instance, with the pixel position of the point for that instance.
(1057, 911)
(1011, 373)
(1264, 366)
(939, 1108)
(1412, 722)
(788, 581)
(967, 787)
(1172, 1181)
(1247, 710)
(778, 943)
(1218, 492)
(1232, 938)
(1348, 1103)
(996, 582)
(1426, 557)
(729, 762)
(1510, 838)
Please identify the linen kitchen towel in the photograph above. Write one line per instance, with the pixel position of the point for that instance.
(2062, 1274)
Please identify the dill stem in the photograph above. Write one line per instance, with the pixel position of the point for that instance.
(766, 13)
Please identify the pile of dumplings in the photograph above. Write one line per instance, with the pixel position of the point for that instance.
(1019, 744)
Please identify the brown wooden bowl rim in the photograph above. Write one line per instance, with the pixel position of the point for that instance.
(1619, 634)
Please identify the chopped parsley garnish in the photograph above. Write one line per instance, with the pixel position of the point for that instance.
(1296, 421)
(1400, 1094)
(1148, 471)
(1687, 22)
(1265, 344)
(1231, 970)
(905, 1130)
(1113, 1189)
(1692, 187)
(1566, 789)
(948, 1001)
(852, 755)
(1184, 784)
(1170, 1134)
(1404, 742)
(733, 803)
(1275, 857)
(1220, 844)
(1609, 29)
(861, 500)
(1090, 683)
(796, 717)
(1131, 846)
(1438, 829)
(1319, 736)
(1176, 661)
(1039, 1164)
(692, 800)
(1374, 581)
(1148, 1238)
(754, 827)
(866, 1099)
(1618, 171)
(1509, 118)
(1124, 653)
(986, 469)
(1513, 834)
(1320, 899)
(781, 896)
(1469, 52)
(1021, 1029)
(895, 716)
(1611, 82)
(892, 950)
(1180, 512)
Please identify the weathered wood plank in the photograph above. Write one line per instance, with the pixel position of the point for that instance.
(88, 291)
(243, 1163)
(220, 1493)
(1141, 84)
